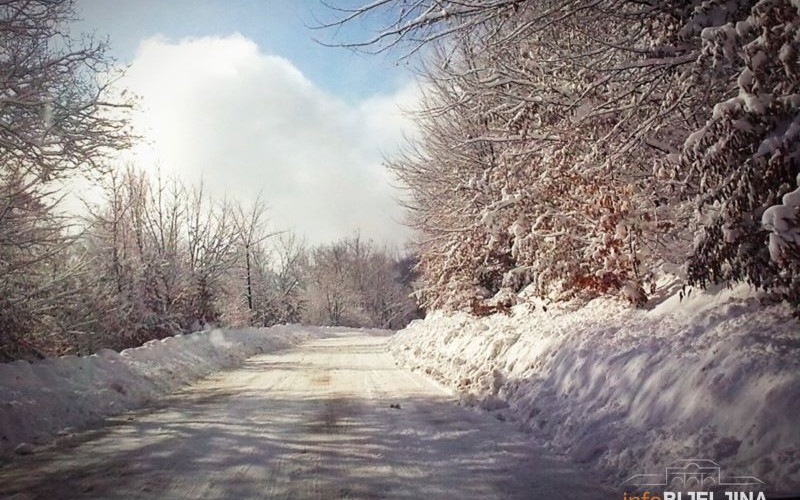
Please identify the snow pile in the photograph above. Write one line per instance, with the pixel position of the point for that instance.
(714, 375)
(38, 399)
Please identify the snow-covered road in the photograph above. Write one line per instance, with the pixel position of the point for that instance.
(320, 421)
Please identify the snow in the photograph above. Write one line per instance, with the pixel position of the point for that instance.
(695, 137)
(743, 28)
(41, 399)
(331, 418)
(756, 104)
(781, 221)
(625, 391)
(746, 79)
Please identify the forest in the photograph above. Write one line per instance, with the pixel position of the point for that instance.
(568, 150)
(572, 149)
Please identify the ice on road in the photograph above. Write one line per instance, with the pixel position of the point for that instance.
(333, 418)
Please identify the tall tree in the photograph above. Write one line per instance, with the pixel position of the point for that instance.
(58, 117)
(565, 145)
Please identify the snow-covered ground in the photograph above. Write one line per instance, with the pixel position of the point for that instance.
(715, 376)
(41, 399)
(331, 418)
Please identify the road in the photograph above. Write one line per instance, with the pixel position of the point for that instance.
(333, 418)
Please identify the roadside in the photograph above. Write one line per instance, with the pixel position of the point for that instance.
(54, 397)
(622, 391)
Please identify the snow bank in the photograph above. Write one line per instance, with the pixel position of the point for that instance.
(716, 376)
(41, 398)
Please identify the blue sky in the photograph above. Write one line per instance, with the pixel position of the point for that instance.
(239, 94)
(280, 27)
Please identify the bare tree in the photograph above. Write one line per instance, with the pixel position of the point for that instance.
(250, 227)
(55, 99)
(166, 259)
(353, 282)
(57, 118)
(280, 272)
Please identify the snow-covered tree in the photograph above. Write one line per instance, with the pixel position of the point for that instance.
(746, 156)
(56, 121)
(164, 258)
(535, 170)
(280, 273)
(353, 282)
(565, 146)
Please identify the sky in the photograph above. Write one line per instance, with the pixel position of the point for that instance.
(239, 93)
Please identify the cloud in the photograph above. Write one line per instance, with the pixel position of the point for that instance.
(247, 121)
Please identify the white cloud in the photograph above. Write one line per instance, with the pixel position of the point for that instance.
(248, 121)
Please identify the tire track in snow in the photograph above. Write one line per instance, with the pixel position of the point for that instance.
(313, 422)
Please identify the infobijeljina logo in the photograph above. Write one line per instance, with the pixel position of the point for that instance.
(694, 479)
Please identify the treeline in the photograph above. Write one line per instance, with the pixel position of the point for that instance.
(154, 257)
(169, 258)
(576, 148)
